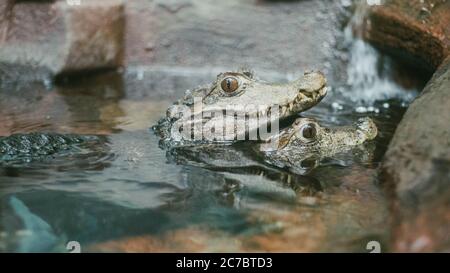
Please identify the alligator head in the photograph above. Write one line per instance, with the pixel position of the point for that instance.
(305, 142)
(236, 105)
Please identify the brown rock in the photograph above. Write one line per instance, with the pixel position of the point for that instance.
(5, 14)
(420, 28)
(61, 38)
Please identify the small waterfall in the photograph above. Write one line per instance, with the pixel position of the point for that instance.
(369, 73)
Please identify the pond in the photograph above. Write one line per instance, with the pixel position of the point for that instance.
(130, 196)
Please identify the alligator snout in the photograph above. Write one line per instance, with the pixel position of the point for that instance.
(252, 101)
(312, 85)
(367, 127)
(307, 135)
(311, 81)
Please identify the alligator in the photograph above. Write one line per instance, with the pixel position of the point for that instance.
(235, 106)
(304, 143)
(288, 148)
(298, 148)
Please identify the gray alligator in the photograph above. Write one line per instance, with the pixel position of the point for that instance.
(231, 92)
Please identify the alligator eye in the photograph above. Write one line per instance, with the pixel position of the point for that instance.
(229, 84)
(309, 131)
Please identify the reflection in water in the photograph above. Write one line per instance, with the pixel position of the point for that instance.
(38, 234)
(75, 107)
(141, 195)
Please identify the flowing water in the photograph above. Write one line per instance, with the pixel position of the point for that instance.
(133, 197)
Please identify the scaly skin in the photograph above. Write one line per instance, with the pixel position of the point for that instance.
(288, 150)
(26, 148)
(305, 142)
(234, 97)
(292, 147)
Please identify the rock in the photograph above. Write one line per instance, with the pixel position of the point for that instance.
(420, 28)
(58, 38)
(416, 167)
(193, 34)
(5, 14)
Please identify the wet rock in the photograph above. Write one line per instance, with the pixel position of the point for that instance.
(58, 38)
(418, 27)
(416, 165)
(417, 170)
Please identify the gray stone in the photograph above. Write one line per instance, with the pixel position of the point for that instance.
(206, 34)
(417, 170)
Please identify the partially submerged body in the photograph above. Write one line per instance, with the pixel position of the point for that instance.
(234, 97)
(304, 143)
(236, 106)
(298, 148)
(21, 149)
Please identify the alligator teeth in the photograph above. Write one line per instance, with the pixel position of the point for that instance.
(291, 107)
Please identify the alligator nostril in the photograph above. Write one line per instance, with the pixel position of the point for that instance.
(306, 93)
(368, 127)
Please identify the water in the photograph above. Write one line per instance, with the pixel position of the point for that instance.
(136, 198)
